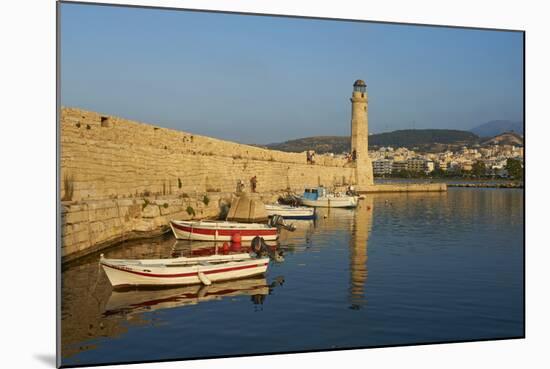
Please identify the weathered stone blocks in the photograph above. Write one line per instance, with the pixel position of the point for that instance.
(125, 178)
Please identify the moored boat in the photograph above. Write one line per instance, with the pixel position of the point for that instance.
(183, 270)
(221, 230)
(319, 197)
(290, 212)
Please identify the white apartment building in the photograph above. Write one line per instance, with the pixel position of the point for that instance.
(382, 166)
(398, 166)
(416, 164)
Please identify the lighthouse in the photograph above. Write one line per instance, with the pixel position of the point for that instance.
(360, 135)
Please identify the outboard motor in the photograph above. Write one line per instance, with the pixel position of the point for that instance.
(289, 199)
(260, 247)
(279, 222)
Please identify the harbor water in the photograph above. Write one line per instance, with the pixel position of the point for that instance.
(400, 269)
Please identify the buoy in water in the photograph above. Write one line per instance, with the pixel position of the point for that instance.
(236, 238)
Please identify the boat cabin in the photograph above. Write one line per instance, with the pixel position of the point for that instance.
(314, 193)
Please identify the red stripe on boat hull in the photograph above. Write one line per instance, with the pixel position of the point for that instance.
(226, 232)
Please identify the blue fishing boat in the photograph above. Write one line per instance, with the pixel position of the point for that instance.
(319, 197)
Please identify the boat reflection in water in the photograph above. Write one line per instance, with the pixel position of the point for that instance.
(300, 238)
(329, 293)
(206, 248)
(93, 311)
(131, 301)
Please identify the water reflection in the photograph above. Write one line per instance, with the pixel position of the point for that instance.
(357, 222)
(328, 222)
(429, 267)
(131, 301)
(300, 239)
(205, 248)
(91, 309)
(362, 225)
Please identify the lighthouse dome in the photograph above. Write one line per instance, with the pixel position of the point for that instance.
(360, 86)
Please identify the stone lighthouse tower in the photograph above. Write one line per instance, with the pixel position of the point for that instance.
(360, 135)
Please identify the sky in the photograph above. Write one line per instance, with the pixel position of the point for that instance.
(263, 79)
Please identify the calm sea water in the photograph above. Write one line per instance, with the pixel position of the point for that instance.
(400, 269)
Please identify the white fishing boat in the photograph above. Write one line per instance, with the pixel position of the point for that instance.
(290, 212)
(319, 197)
(206, 230)
(182, 270)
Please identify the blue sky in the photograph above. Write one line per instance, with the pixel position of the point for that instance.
(259, 79)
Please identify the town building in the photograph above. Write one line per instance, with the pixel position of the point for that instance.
(398, 166)
(416, 164)
(382, 166)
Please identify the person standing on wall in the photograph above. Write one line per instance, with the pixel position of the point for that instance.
(253, 183)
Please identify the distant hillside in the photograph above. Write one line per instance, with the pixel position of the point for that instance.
(321, 144)
(422, 137)
(507, 138)
(496, 127)
(410, 138)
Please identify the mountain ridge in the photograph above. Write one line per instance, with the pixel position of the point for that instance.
(410, 138)
(497, 127)
(506, 138)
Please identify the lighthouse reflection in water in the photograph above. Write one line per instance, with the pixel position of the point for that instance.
(399, 269)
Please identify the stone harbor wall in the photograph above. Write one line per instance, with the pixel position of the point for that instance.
(122, 179)
(92, 225)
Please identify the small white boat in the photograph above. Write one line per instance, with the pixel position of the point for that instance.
(205, 230)
(290, 212)
(183, 270)
(318, 197)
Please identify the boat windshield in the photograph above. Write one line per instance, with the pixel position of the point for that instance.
(311, 194)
